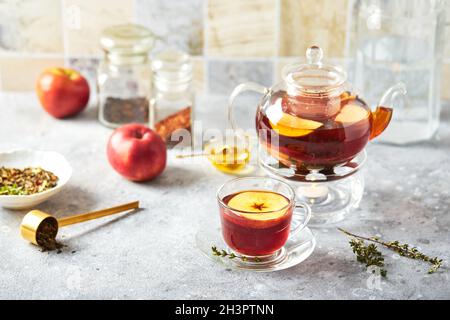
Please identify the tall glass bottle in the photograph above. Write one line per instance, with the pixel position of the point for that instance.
(402, 40)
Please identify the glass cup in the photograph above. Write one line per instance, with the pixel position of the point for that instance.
(267, 217)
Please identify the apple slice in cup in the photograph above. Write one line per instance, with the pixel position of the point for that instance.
(259, 205)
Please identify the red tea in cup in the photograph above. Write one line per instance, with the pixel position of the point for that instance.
(256, 222)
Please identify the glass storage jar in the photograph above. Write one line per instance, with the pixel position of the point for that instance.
(125, 76)
(173, 97)
(402, 40)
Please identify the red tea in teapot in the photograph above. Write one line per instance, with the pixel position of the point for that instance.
(318, 132)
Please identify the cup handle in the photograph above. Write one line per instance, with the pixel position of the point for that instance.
(297, 212)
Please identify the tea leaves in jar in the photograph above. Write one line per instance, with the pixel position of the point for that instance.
(123, 111)
(167, 127)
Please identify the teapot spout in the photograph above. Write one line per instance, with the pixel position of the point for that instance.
(382, 116)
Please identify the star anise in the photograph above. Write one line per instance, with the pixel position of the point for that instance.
(259, 206)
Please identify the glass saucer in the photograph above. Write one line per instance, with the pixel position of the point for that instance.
(297, 249)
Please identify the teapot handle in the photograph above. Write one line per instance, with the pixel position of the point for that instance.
(248, 86)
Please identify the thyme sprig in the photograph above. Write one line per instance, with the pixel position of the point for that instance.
(372, 256)
(368, 254)
(230, 255)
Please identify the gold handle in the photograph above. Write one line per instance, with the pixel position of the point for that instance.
(96, 214)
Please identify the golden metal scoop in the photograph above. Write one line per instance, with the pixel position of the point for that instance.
(36, 223)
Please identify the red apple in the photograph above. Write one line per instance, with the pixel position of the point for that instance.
(62, 92)
(137, 152)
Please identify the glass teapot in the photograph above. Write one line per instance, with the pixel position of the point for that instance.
(313, 120)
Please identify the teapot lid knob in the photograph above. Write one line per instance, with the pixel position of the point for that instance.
(314, 55)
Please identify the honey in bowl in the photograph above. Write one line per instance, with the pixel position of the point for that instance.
(230, 155)
(256, 222)
(228, 159)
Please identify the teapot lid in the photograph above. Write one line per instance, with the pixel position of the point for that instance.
(314, 76)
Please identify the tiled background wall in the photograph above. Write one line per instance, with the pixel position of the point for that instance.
(232, 41)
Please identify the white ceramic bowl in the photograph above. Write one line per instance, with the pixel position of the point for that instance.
(51, 161)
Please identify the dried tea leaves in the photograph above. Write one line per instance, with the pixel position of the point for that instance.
(26, 182)
(121, 111)
(46, 236)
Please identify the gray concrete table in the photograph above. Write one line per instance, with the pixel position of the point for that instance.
(152, 254)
